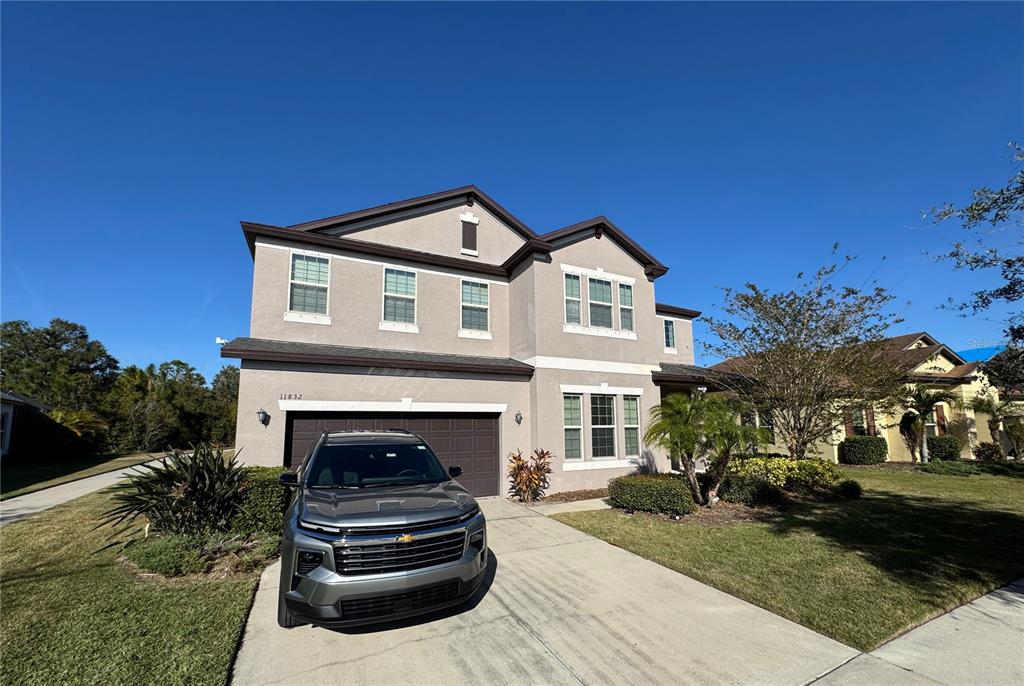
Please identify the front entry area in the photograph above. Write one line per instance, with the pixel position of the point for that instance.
(467, 440)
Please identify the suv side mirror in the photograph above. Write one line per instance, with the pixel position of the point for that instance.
(289, 479)
(455, 471)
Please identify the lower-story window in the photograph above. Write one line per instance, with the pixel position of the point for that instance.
(602, 425)
(572, 418)
(631, 422)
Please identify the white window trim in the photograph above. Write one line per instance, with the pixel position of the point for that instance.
(404, 327)
(291, 315)
(583, 446)
(565, 303)
(598, 331)
(603, 389)
(471, 253)
(675, 339)
(599, 463)
(598, 273)
(475, 333)
(307, 317)
(470, 218)
(618, 293)
(639, 438)
(610, 305)
(612, 426)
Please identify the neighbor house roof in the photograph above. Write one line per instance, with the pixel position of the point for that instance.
(318, 353)
(19, 399)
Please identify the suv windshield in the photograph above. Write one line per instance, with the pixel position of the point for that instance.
(362, 466)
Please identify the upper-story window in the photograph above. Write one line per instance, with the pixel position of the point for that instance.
(625, 307)
(399, 296)
(670, 334)
(475, 306)
(600, 292)
(573, 301)
(310, 279)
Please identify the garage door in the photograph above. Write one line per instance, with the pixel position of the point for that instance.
(467, 440)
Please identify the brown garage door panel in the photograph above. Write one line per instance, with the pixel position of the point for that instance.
(467, 440)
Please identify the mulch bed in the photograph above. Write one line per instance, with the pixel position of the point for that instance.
(573, 496)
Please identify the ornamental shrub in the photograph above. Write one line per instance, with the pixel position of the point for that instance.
(772, 470)
(529, 478)
(811, 475)
(989, 452)
(664, 494)
(943, 448)
(187, 493)
(863, 450)
(752, 491)
(263, 501)
(848, 489)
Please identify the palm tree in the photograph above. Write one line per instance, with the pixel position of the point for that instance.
(995, 409)
(677, 426)
(725, 436)
(922, 401)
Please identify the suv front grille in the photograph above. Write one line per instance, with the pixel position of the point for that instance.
(383, 606)
(377, 558)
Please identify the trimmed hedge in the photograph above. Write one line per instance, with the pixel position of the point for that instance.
(989, 452)
(662, 494)
(263, 503)
(943, 448)
(752, 491)
(863, 450)
(811, 475)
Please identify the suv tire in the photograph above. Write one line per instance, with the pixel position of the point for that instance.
(286, 619)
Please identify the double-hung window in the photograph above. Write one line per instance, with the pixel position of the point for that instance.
(670, 334)
(600, 292)
(399, 296)
(573, 301)
(572, 421)
(625, 307)
(631, 422)
(602, 425)
(310, 277)
(475, 306)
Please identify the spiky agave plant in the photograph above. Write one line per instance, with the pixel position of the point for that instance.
(186, 493)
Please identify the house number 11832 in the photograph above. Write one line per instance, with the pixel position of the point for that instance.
(291, 396)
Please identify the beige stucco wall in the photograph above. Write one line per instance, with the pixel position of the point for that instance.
(355, 302)
(440, 232)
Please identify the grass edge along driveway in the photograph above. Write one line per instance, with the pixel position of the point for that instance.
(24, 477)
(862, 572)
(72, 613)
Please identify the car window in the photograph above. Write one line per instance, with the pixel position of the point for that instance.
(358, 466)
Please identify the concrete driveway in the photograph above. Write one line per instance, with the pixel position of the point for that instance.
(561, 607)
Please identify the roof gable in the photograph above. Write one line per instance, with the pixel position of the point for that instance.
(599, 227)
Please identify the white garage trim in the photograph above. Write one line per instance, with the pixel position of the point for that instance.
(403, 405)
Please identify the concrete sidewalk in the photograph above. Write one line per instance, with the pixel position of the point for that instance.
(559, 607)
(981, 642)
(13, 509)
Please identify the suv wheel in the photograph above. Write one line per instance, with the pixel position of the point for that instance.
(286, 619)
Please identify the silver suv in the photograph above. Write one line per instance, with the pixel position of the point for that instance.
(376, 530)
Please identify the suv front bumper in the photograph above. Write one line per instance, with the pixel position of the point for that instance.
(327, 599)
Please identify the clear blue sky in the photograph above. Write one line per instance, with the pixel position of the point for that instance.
(736, 142)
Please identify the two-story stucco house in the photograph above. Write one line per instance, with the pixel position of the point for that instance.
(447, 316)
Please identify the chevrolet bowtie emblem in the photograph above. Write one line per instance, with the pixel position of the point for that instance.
(404, 538)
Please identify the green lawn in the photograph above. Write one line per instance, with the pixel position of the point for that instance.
(18, 479)
(861, 571)
(72, 613)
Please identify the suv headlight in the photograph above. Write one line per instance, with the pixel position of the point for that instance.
(476, 540)
(307, 561)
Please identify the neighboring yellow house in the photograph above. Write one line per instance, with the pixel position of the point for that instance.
(932, 364)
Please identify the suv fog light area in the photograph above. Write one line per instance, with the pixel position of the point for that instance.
(308, 561)
(477, 540)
